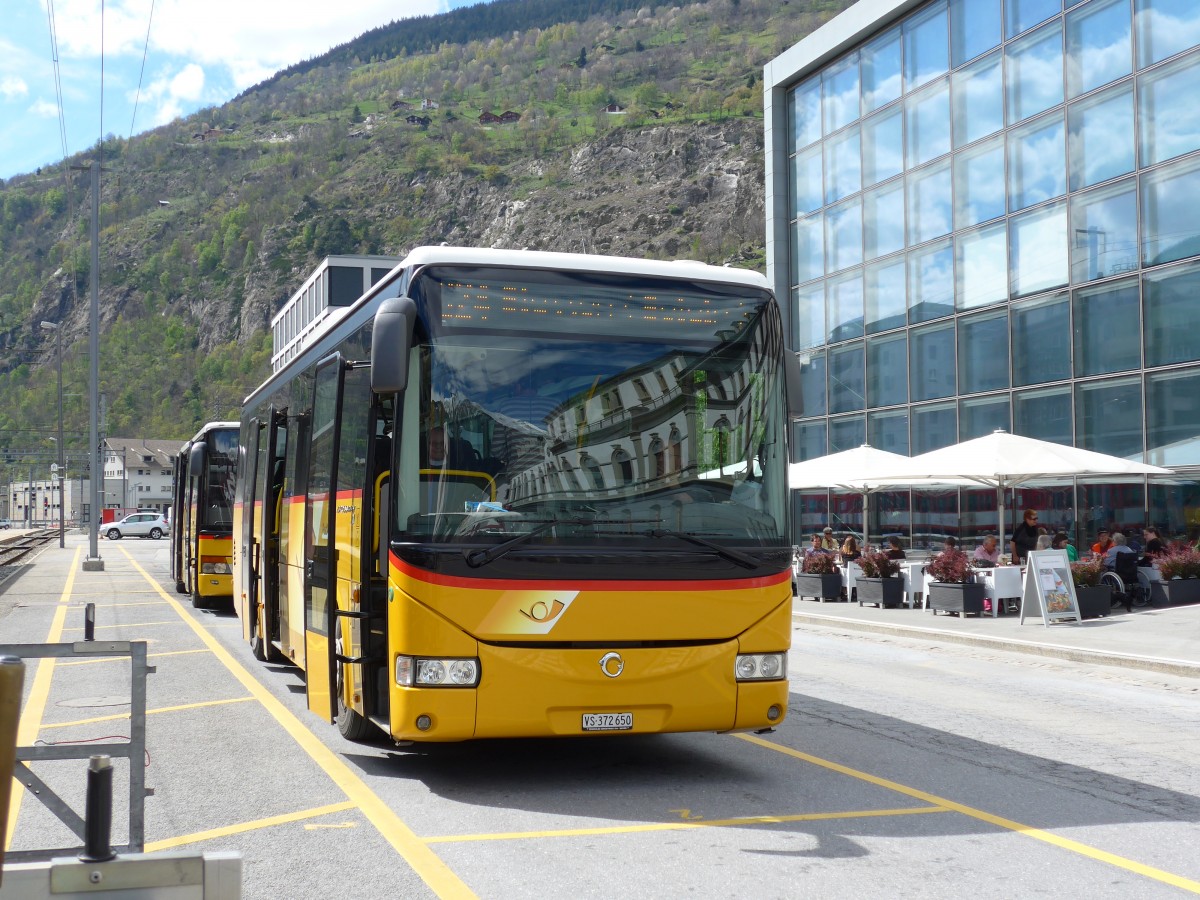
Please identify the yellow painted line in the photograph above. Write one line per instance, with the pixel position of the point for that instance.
(440, 878)
(149, 712)
(1038, 834)
(39, 695)
(125, 660)
(684, 825)
(242, 828)
(125, 625)
(116, 605)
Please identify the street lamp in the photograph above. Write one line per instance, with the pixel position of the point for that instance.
(62, 469)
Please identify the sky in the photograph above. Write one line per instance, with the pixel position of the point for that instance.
(161, 59)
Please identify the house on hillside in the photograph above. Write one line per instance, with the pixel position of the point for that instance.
(414, 119)
(615, 109)
(508, 116)
(401, 104)
(488, 118)
(429, 104)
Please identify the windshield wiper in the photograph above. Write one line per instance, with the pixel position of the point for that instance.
(477, 558)
(734, 556)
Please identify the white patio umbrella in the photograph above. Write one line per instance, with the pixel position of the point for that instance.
(1002, 460)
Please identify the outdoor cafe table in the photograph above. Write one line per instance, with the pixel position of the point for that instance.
(911, 573)
(1000, 583)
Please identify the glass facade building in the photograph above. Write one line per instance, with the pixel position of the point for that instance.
(986, 214)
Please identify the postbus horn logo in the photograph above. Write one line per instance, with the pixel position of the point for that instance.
(611, 664)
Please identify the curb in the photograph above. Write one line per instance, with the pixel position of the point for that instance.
(1055, 651)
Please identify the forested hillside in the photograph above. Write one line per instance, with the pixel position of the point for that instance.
(209, 223)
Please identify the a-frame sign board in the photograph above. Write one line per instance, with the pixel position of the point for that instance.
(1049, 590)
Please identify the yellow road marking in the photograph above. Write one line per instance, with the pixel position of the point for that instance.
(242, 828)
(683, 825)
(39, 695)
(149, 712)
(440, 878)
(117, 605)
(1036, 833)
(122, 659)
(313, 826)
(128, 625)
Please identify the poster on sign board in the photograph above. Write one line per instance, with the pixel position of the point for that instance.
(1049, 590)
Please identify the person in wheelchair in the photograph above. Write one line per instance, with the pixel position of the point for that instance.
(1130, 586)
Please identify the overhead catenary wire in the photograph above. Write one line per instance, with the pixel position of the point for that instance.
(141, 74)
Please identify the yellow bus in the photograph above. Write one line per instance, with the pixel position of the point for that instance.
(202, 514)
(521, 494)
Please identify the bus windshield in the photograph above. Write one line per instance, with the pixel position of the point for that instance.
(217, 510)
(568, 411)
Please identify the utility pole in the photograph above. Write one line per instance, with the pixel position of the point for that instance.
(94, 563)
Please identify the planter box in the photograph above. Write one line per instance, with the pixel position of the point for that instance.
(1094, 601)
(1175, 592)
(819, 587)
(959, 598)
(885, 592)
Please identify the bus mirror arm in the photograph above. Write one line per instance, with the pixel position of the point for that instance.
(391, 342)
(795, 387)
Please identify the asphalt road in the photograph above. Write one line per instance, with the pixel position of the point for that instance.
(907, 768)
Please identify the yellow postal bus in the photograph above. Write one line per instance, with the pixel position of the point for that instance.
(202, 514)
(512, 493)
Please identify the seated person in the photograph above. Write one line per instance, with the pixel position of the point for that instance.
(827, 540)
(1153, 547)
(894, 550)
(950, 544)
(1103, 542)
(1044, 542)
(988, 551)
(1119, 546)
(816, 547)
(1060, 541)
(850, 549)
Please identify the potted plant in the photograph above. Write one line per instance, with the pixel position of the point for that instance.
(879, 583)
(819, 578)
(1179, 569)
(1095, 599)
(951, 588)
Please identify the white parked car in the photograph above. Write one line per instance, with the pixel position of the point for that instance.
(139, 524)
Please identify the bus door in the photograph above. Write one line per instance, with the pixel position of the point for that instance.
(320, 537)
(268, 494)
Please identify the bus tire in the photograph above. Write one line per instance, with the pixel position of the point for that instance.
(351, 725)
(198, 602)
(263, 649)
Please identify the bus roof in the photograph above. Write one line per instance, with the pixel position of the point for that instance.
(212, 426)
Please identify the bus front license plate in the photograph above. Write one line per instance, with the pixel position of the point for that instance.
(608, 721)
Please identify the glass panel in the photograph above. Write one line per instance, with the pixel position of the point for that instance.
(983, 352)
(1170, 198)
(808, 185)
(808, 304)
(881, 71)
(982, 416)
(810, 440)
(1101, 137)
(1108, 416)
(844, 302)
(1165, 27)
(979, 184)
(982, 266)
(810, 510)
(843, 235)
(840, 93)
(1035, 74)
(1168, 111)
(928, 117)
(974, 29)
(887, 431)
(1172, 411)
(1024, 14)
(812, 380)
(846, 434)
(842, 165)
(931, 362)
(930, 212)
(846, 383)
(883, 146)
(934, 427)
(935, 510)
(1104, 232)
(931, 282)
(1107, 328)
(1044, 414)
(1041, 340)
(887, 370)
(1171, 332)
(926, 48)
(883, 220)
(1037, 163)
(1117, 507)
(806, 115)
(1099, 45)
(1037, 245)
(885, 296)
(1175, 508)
(978, 100)
(808, 249)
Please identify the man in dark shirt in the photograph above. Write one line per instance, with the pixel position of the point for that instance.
(1024, 536)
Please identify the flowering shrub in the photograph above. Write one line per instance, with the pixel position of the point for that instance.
(1086, 573)
(950, 567)
(819, 564)
(1183, 562)
(878, 565)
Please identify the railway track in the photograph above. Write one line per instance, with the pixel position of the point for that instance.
(13, 552)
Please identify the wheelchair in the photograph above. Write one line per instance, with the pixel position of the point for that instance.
(1130, 587)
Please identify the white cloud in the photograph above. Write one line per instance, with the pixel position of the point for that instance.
(44, 109)
(12, 87)
(168, 96)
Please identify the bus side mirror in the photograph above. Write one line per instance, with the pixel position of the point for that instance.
(198, 458)
(795, 388)
(391, 342)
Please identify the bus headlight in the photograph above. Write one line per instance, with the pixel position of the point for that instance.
(214, 565)
(417, 671)
(760, 667)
